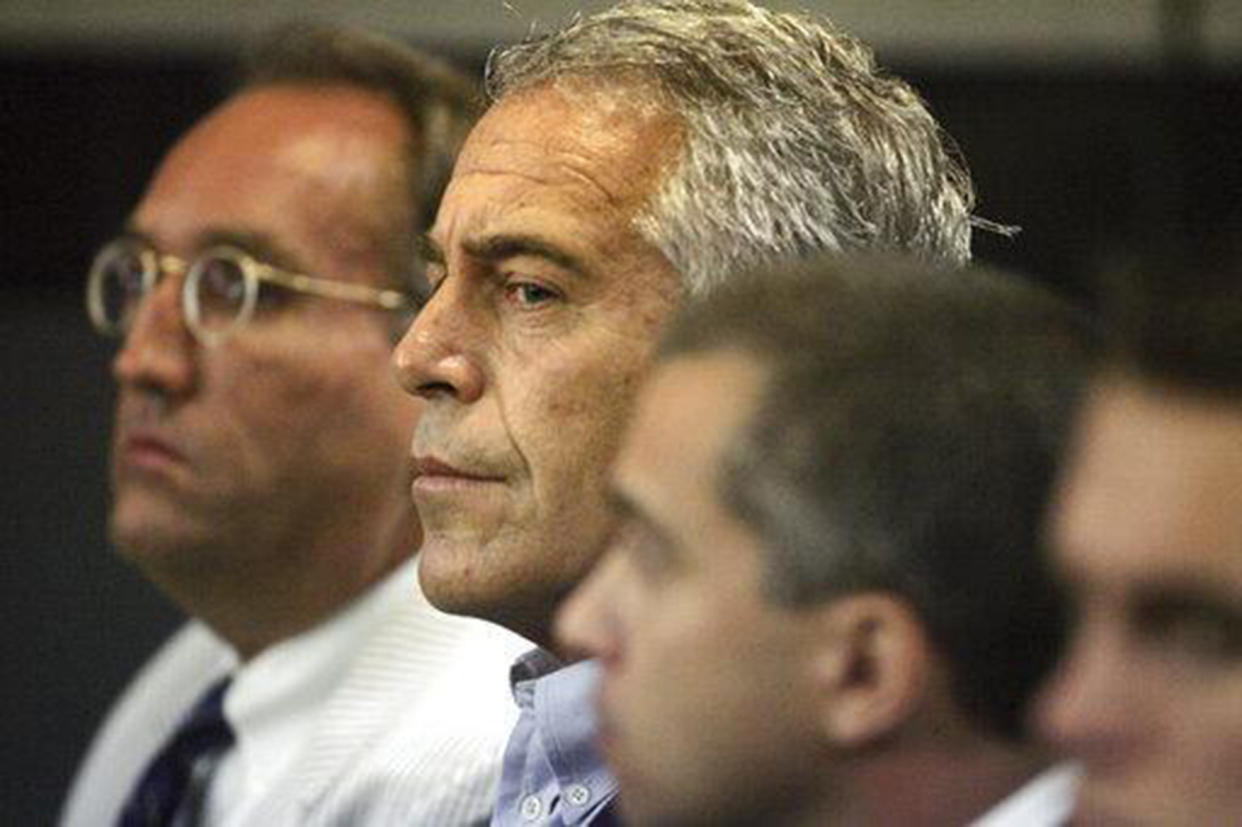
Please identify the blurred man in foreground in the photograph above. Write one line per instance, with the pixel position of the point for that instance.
(631, 158)
(1148, 533)
(828, 603)
(259, 465)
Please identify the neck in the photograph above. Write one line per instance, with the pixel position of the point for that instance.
(255, 593)
(252, 619)
(943, 784)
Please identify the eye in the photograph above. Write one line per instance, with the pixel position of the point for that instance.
(529, 294)
(1197, 631)
(273, 296)
(653, 557)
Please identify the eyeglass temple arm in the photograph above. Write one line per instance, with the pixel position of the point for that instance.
(360, 293)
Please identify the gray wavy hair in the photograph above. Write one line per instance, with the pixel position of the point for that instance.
(795, 140)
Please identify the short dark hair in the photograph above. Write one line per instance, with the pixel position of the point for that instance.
(906, 442)
(1176, 323)
(438, 103)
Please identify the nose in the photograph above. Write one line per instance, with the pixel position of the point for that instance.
(158, 352)
(1092, 707)
(590, 622)
(437, 356)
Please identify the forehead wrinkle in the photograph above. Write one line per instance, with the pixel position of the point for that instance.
(494, 223)
(556, 168)
(612, 200)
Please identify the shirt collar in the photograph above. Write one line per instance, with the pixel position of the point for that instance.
(528, 669)
(561, 700)
(565, 711)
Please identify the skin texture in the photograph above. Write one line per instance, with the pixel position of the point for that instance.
(1148, 531)
(261, 482)
(545, 311)
(690, 646)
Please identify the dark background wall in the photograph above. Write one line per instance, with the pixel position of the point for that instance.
(1090, 161)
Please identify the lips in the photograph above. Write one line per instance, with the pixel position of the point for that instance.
(147, 450)
(432, 474)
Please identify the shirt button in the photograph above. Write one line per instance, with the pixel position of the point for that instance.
(531, 808)
(578, 795)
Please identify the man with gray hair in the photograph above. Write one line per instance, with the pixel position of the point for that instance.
(629, 159)
(829, 603)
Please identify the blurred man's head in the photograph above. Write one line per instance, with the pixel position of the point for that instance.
(630, 158)
(829, 592)
(259, 469)
(1148, 533)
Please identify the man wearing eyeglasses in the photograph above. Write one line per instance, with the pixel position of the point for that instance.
(259, 466)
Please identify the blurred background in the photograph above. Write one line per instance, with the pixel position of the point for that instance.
(1100, 127)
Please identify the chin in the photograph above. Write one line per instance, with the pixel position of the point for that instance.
(143, 540)
(157, 535)
(509, 584)
(454, 579)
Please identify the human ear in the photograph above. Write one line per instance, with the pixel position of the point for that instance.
(871, 662)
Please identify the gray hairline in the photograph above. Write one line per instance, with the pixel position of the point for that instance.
(690, 230)
(745, 220)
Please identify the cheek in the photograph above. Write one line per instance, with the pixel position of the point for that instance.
(697, 724)
(575, 410)
(1211, 734)
(664, 699)
(558, 452)
(683, 655)
(323, 403)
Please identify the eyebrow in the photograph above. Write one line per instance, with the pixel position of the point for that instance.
(263, 247)
(633, 514)
(131, 232)
(509, 245)
(1183, 598)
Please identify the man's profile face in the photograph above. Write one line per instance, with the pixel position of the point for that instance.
(705, 706)
(1148, 532)
(545, 310)
(265, 439)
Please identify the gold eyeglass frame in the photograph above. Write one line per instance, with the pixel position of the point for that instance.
(254, 273)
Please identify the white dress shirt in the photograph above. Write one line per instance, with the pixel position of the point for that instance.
(1045, 801)
(390, 712)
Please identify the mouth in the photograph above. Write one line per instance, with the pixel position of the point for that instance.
(146, 451)
(433, 475)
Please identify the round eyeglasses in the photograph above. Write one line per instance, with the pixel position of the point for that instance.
(219, 293)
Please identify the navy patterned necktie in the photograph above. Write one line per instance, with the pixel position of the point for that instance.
(172, 789)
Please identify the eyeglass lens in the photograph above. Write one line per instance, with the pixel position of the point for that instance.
(221, 292)
(122, 277)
